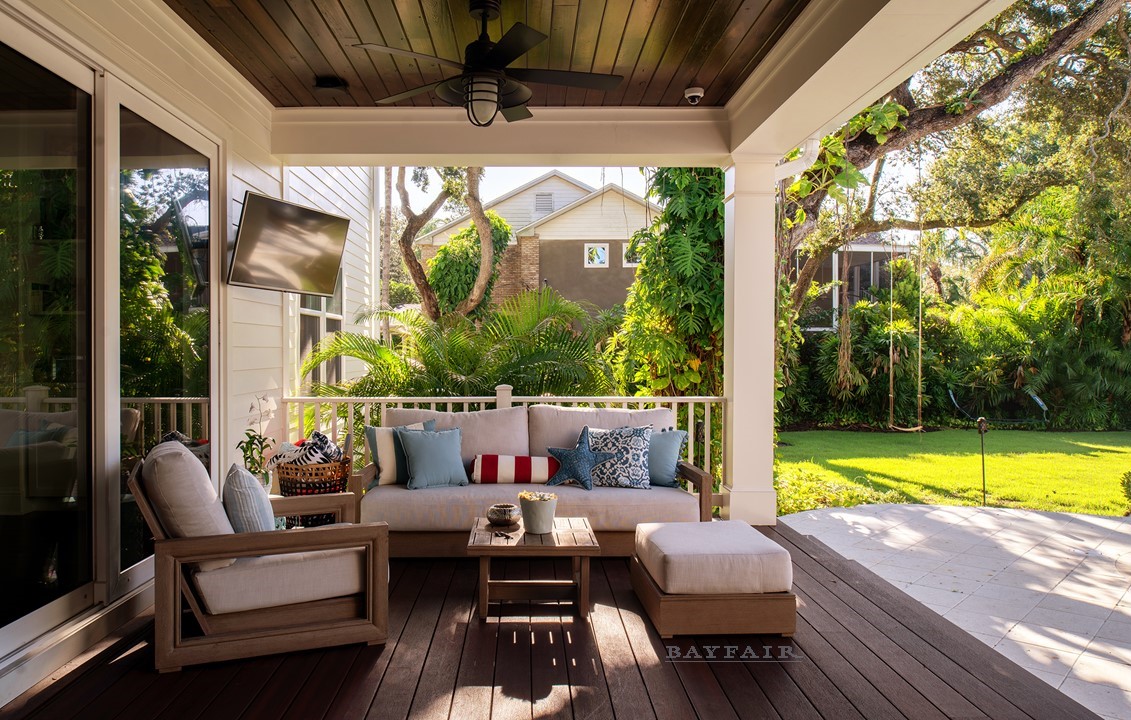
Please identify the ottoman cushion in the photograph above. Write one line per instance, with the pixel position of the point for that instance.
(712, 558)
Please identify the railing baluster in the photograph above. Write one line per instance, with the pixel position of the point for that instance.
(706, 437)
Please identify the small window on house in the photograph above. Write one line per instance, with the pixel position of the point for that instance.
(596, 255)
(628, 258)
(543, 203)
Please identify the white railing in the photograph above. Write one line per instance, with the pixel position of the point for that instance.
(158, 415)
(702, 417)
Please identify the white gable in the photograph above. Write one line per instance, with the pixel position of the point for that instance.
(606, 215)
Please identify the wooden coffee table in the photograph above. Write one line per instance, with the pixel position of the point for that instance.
(572, 537)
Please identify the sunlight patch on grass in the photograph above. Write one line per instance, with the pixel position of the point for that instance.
(1070, 472)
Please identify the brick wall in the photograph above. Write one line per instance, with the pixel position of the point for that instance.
(518, 269)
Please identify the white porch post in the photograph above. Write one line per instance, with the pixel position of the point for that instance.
(748, 370)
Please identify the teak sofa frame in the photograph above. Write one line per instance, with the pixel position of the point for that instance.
(301, 626)
(404, 544)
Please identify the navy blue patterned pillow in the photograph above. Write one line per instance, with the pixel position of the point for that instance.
(629, 466)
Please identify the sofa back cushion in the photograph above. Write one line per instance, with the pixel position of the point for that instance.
(552, 426)
(484, 432)
(182, 495)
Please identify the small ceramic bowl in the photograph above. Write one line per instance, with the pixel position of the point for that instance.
(502, 514)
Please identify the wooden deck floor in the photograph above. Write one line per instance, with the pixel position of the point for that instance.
(863, 649)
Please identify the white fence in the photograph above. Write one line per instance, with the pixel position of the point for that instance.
(702, 417)
(158, 415)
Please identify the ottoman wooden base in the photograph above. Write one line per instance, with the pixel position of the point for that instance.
(753, 614)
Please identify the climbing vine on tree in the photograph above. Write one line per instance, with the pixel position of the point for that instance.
(671, 342)
(453, 271)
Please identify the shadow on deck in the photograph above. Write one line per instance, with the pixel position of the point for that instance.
(863, 649)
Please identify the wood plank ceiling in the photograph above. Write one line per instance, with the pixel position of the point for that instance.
(661, 47)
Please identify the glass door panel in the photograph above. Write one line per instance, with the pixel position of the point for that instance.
(45, 440)
(165, 307)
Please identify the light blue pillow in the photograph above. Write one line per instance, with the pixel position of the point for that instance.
(664, 451)
(433, 458)
(246, 502)
(392, 466)
(23, 438)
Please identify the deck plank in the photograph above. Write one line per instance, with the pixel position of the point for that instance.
(867, 651)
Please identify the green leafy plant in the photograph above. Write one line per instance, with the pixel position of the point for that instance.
(800, 490)
(254, 447)
(453, 271)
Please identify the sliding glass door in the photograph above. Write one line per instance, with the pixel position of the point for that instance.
(46, 506)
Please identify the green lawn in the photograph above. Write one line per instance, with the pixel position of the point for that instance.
(1074, 472)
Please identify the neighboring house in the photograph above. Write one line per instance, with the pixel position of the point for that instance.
(566, 235)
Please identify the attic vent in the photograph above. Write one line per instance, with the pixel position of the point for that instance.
(543, 203)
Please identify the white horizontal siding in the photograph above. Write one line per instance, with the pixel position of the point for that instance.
(518, 211)
(607, 216)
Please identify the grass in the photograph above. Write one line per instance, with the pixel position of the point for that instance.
(1069, 472)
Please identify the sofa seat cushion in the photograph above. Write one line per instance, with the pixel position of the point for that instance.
(712, 558)
(272, 580)
(552, 426)
(454, 509)
(484, 432)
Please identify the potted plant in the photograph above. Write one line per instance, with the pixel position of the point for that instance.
(538, 511)
(254, 448)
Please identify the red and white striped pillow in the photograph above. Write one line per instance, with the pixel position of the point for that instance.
(507, 469)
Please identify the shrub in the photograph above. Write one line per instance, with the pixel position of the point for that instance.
(453, 271)
(401, 294)
(802, 490)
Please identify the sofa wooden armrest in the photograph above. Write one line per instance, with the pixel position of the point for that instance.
(343, 505)
(704, 484)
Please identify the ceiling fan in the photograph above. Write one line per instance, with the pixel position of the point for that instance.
(486, 87)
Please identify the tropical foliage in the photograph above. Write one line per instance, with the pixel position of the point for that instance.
(453, 271)
(671, 339)
(538, 342)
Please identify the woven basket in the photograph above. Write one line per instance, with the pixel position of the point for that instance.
(312, 480)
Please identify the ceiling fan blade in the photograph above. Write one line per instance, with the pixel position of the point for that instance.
(589, 81)
(410, 54)
(516, 43)
(407, 94)
(516, 113)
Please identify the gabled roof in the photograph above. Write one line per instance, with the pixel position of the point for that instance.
(609, 187)
(430, 237)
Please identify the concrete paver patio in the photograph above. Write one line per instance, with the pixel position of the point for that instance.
(1050, 591)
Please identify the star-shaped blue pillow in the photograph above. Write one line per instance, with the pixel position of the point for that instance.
(577, 464)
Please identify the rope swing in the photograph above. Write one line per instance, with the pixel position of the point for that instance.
(919, 325)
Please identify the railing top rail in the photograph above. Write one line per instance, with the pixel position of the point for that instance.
(516, 399)
(162, 399)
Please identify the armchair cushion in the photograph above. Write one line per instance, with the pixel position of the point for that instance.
(182, 495)
(246, 502)
(273, 580)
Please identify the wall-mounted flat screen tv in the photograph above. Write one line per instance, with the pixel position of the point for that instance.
(287, 247)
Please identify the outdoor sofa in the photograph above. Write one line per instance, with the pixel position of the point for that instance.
(436, 522)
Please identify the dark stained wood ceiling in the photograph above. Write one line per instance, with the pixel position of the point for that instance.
(661, 47)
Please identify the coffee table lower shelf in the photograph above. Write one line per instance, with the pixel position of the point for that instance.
(572, 538)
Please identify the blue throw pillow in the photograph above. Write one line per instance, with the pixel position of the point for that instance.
(390, 470)
(664, 451)
(22, 438)
(433, 458)
(629, 466)
(246, 502)
(577, 464)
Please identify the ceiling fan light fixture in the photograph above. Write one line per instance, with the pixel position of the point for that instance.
(481, 98)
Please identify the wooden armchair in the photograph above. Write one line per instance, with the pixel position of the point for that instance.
(192, 626)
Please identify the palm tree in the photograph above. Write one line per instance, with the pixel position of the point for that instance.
(537, 341)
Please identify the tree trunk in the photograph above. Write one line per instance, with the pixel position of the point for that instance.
(429, 305)
(387, 258)
(1125, 337)
(486, 243)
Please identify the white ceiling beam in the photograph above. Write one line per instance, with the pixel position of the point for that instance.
(554, 137)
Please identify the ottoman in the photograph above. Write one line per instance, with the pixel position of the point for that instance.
(708, 578)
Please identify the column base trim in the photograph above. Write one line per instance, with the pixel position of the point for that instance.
(757, 507)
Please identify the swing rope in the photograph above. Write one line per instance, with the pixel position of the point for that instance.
(919, 325)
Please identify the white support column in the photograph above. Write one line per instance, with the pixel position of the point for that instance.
(748, 487)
